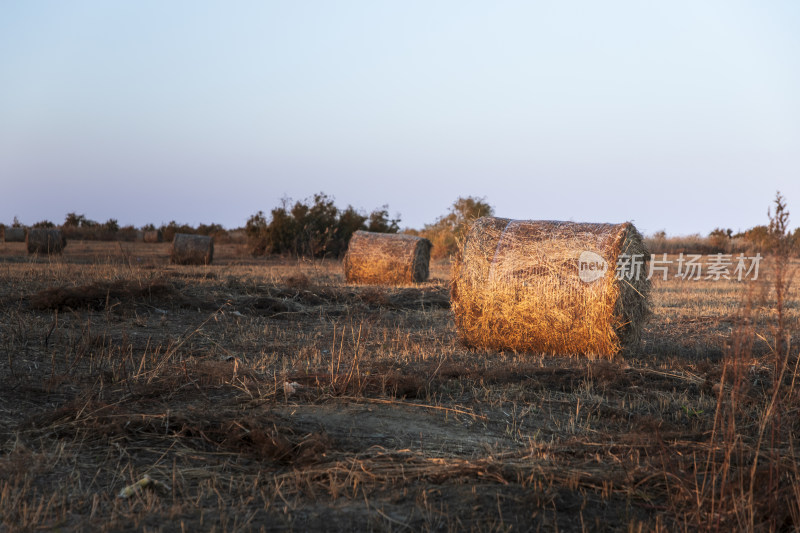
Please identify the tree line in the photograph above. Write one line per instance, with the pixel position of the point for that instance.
(316, 227)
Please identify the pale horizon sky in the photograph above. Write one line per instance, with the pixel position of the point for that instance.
(680, 116)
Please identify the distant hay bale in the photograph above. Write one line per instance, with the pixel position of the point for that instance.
(540, 286)
(45, 241)
(153, 236)
(386, 258)
(14, 234)
(192, 249)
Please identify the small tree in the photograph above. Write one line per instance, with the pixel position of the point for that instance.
(719, 239)
(168, 231)
(380, 222)
(111, 225)
(448, 231)
(350, 221)
(74, 220)
(756, 238)
(317, 226)
(256, 231)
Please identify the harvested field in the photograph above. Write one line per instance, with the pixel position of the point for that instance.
(271, 395)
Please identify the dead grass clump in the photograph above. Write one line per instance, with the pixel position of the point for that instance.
(20, 461)
(192, 249)
(98, 295)
(271, 307)
(413, 298)
(375, 297)
(259, 436)
(262, 436)
(392, 384)
(517, 285)
(45, 241)
(387, 258)
(297, 281)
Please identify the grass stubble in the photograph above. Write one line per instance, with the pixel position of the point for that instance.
(271, 395)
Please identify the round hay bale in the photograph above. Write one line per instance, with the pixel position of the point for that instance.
(153, 236)
(45, 241)
(550, 287)
(386, 258)
(14, 235)
(192, 249)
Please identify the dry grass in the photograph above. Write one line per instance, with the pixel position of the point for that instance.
(387, 258)
(516, 286)
(272, 395)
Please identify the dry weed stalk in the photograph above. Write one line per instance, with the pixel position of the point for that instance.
(748, 478)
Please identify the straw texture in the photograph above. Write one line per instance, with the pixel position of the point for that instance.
(517, 285)
(387, 258)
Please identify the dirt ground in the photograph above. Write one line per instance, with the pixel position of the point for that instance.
(268, 394)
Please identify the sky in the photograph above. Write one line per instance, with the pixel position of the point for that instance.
(679, 116)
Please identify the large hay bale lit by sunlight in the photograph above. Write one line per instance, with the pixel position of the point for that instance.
(387, 258)
(45, 241)
(550, 287)
(192, 249)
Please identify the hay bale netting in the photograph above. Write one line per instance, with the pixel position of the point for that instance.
(387, 258)
(153, 236)
(192, 249)
(14, 234)
(45, 241)
(517, 286)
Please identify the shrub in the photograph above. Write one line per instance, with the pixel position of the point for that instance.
(446, 233)
(720, 240)
(169, 230)
(312, 228)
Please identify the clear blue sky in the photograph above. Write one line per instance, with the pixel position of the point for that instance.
(681, 115)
